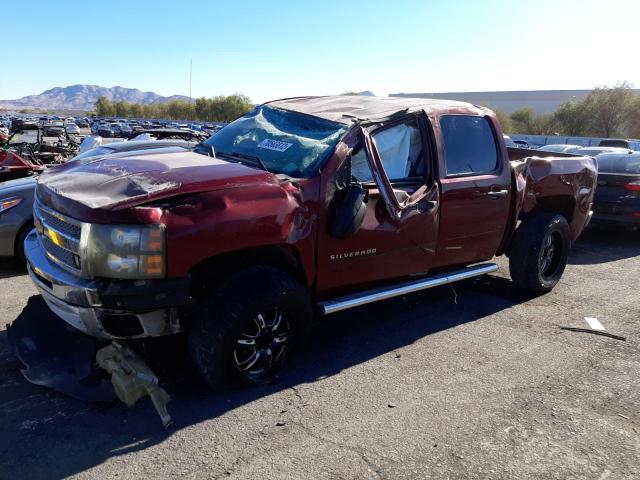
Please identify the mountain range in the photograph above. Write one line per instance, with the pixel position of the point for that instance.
(84, 97)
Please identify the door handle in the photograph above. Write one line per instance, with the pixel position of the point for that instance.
(424, 206)
(497, 194)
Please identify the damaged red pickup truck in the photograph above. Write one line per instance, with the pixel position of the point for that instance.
(301, 208)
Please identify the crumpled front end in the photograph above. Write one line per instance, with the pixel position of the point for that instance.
(100, 307)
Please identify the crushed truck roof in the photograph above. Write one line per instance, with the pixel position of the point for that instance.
(349, 108)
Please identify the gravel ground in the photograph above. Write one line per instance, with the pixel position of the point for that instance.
(472, 382)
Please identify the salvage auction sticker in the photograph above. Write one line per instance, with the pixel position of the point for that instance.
(276, 145)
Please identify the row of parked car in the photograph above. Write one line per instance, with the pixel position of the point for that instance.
(617, 199)
(51, 125)
(55, 125)
(121, 128)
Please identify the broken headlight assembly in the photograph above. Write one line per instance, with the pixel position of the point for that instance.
(124, 251)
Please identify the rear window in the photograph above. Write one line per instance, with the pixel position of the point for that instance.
(627, 164)
(469, 144)
(614, 143)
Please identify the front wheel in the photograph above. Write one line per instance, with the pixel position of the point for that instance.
(249, 327)
(539, 252)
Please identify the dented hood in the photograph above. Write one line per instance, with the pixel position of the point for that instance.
(114, 183)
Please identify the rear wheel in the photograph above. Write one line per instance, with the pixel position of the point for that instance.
(246, 330)
(539, 252)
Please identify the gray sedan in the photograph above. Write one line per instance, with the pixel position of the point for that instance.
(16, 196)
(16, 214)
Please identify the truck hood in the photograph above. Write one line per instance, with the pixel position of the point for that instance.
(115, 183)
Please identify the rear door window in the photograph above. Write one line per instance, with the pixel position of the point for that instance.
(469, 143)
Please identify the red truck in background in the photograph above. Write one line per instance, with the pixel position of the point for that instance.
(301, 208)
(13, 165)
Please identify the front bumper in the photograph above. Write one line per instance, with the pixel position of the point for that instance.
(107, 309)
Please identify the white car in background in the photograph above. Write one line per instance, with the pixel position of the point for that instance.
(560, 148)
(595, 151)
(72, 129)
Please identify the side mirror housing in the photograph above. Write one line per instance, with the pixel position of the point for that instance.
(350, 208)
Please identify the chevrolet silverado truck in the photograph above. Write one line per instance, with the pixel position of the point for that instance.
(301, 208)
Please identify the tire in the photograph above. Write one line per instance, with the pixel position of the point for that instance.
(19, 246)
(539, 252)
(226, 324)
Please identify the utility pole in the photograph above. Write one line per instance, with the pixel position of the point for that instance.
(190, 76)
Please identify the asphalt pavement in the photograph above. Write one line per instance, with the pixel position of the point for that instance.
(473, 381)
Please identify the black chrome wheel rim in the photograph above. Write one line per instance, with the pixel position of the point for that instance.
(259, 351)
(549, 254)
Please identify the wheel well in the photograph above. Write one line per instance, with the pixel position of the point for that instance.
(212, 272)
(562, 204)
(26, 227)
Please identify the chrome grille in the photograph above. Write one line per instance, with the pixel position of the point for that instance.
(59, 236)
(61, 226)
(61, 254)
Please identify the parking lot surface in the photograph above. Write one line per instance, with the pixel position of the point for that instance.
(474, 381)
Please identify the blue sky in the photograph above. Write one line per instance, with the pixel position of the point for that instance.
(272, 49)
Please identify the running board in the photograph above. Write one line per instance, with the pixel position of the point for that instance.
(370, 296)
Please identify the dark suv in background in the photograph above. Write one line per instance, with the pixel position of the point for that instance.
(620, 143)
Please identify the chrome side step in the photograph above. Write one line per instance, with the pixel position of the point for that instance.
(351, 301)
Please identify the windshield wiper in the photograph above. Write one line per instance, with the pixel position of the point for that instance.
(253, 159)
(205, 149)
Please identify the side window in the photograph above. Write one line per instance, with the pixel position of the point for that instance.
(401, 152)
(469, 144)
(359, 166)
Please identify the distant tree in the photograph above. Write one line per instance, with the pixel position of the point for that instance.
(234, 106)
(201, 109)
(544, 124)
(609, 108)
(633, 123)
(104, 107)
(135, 110)
(504, 119)
(573, 119)
(121, 109)
(523, 120)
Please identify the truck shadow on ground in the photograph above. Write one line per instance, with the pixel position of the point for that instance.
(11, 267)
(600, 244)
(49, 435)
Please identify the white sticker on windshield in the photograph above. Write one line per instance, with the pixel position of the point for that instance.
(276, 145)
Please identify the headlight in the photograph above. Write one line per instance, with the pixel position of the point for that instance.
(7, 203)
(124, 251)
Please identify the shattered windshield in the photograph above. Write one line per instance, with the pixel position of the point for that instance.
(279, 141)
